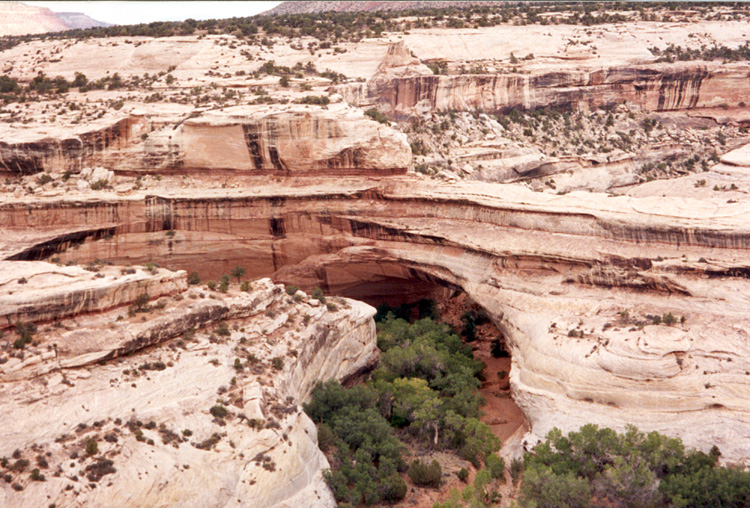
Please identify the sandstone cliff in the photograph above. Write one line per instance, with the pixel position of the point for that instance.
(255, 140)
(20, 19)
(654, 87)
(575, 282)
(128, 383)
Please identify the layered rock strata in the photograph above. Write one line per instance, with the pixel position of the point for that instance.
(192, 400)
(296, 140)
(652, 87)
(575, 282)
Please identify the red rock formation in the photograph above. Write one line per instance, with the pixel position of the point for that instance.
(19, 19)
(653, 87)
(256, 140)
(554, 273)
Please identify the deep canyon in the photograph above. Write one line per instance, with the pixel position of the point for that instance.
(404, 184)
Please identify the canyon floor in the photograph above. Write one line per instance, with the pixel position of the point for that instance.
(589, 196)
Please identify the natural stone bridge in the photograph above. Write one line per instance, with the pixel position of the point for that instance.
(573, 281)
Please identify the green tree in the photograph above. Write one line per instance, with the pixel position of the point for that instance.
(238, 272)
(194, 279)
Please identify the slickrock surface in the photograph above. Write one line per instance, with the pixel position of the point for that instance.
(32, 291)
(573, 281)
(608, 241)
(148, 406)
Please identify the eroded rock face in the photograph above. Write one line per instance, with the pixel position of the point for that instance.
(574, 281)
(21, 19)
(653, 87)
(402, 88)
(46, 292)
(256, 140)
(261, 452)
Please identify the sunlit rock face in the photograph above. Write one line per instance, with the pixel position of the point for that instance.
(284, 141)
(574, 282)
(652, 87)
(105, 376)
(618, 310)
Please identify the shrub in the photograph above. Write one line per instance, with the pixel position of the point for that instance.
(223, 330)
(630, 469)
(427, 475)
(141, 301)
(194, 279)
(92, 447)
(376, 115)
(100, 184)
(25, 333)
(211, 285)
(290, 290)
(37, 476)
(367, 452)
(320, 100)
(98, 469)
(44, 179)
(326, 438)
(393, 489)
(516, 469)
(277, 363)
(218, 411)
(463, 474)
(469, 331)
(497, 350)
(20, 465)
(496, 466)
(238, 272)
(669, 319)
(317, 293)
(428, 309)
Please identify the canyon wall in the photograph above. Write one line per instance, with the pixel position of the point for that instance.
(652, 87)
(298, 140)
(127, 380)
(574, 281)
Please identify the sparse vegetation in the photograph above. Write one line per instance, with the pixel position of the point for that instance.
(376, 115)
(219, 411)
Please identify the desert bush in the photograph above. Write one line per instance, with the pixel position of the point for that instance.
(317, 293)
(290, 290)
(92, 447)
(218, 411)
(628, 469)
(463, 474)
(376, 115)
(427, 475)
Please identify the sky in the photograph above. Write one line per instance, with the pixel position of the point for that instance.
(130, 13)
